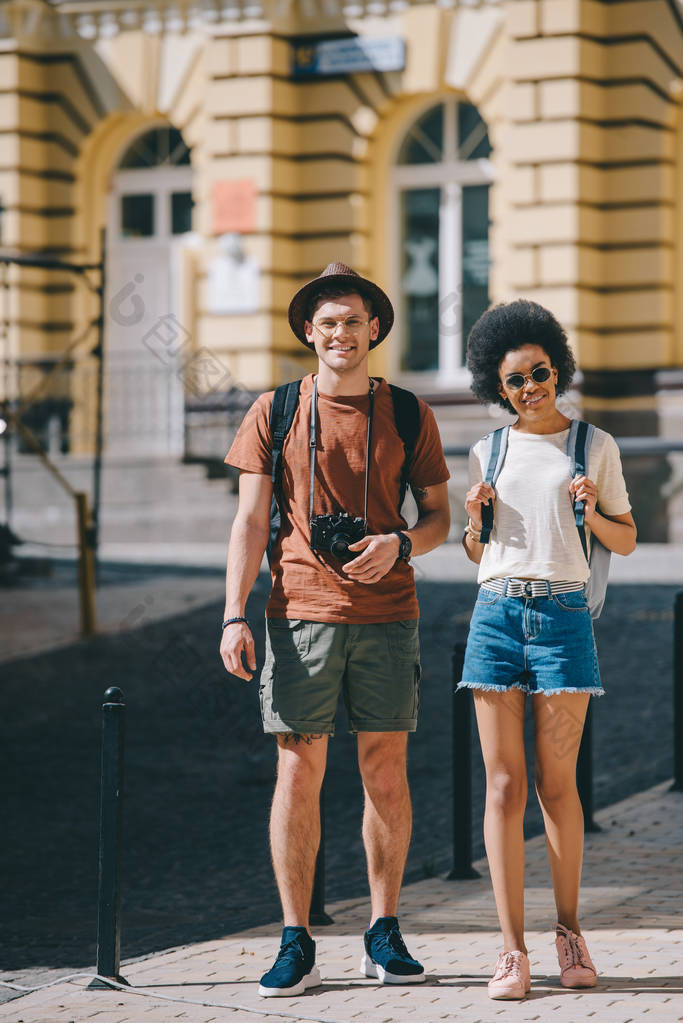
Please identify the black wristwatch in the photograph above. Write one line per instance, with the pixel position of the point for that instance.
(405, 546)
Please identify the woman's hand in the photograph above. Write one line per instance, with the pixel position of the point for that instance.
(583, 489)
(480, 493)
(616, 532)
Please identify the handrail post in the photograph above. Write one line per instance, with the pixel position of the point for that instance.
(318, 916)
(678, 693)
(462, 774)
(584, 773)
(98, 351)
(86, 565)
(111, 840)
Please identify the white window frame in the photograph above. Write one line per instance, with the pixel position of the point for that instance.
(160, 182)
(451, 175)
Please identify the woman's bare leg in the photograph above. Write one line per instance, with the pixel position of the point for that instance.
(500, 719)
(558, 725)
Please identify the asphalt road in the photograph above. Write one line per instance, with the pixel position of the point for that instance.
(199, 774)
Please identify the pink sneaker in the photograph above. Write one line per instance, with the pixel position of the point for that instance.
(576, 965)
(512, 978)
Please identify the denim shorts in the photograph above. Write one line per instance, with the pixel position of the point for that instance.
(376, 667)
(536, 644)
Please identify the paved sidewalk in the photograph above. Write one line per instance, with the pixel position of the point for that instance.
(42, 614)
(176, 577)
(631, 914)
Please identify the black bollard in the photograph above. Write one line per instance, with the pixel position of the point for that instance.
(584, 772)
(111, 826)
(318, 916)
(678, 694)
(462, 774)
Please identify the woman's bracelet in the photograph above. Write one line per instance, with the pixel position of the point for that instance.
(474, 533)
(231, 621)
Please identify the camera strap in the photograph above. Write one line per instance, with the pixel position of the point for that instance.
(312, 445)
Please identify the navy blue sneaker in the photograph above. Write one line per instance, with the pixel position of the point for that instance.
(294, 969)
(386, 956)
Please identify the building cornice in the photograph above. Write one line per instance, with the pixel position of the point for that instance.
(102, 19)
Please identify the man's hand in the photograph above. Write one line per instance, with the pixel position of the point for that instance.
(378, 557)
(235, 641)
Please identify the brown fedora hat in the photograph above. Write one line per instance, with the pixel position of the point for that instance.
(340, 275)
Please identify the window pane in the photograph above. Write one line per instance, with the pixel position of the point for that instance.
(420, 278)
(181, 212)
(424, 141)
(178, 153)
(144, 152)
(475, 255)
(473, 136)
(156, 147)
(137, 216)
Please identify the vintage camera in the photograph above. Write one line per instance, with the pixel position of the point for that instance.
(333, 534)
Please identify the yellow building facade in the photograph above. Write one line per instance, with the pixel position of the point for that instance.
(459, 154)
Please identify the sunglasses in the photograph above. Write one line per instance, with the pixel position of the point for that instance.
(517, 380)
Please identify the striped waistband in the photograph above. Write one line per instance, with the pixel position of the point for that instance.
(530, 587)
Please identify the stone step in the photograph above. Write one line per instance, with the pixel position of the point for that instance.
(144, 499)
(141, 481)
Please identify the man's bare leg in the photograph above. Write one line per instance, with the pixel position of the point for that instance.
(387, 822)
(387, 817)
(295, 821)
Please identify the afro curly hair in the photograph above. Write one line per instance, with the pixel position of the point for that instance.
(505, 328)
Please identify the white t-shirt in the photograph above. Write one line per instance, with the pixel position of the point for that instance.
(534, 532)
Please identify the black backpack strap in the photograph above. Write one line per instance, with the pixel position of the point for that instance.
(407, 418)
(497, 443)
(285, 401)
(578, 447)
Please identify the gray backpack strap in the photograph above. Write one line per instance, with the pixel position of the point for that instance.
(578, 449)
(496, 449)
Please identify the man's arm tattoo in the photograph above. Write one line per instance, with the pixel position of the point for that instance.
(420, 495)
(296, 738)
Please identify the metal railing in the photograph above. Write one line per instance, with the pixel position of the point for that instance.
(628, 446)
(17, 406)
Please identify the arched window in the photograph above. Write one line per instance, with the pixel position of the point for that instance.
(160, 147)
(156, 158)
(441, 183)
(149, 225)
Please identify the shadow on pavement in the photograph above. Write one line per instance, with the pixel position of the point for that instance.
(199, 774)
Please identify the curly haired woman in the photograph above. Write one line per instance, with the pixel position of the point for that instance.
(531, 630)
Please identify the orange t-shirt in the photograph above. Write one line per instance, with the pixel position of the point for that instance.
(317, 590)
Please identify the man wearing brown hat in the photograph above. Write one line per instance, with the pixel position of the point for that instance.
(343, 613)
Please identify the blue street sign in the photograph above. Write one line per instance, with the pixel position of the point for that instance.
(345, 56)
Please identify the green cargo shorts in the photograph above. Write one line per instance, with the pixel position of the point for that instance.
(376, 667)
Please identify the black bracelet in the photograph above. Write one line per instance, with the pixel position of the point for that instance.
(231, 621)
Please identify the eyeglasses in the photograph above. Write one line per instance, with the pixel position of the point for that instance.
(517, 380)
(328, 328)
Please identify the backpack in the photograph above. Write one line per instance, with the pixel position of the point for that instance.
(578, 448)
(285, 401)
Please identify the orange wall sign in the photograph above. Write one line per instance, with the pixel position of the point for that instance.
(233, 206)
